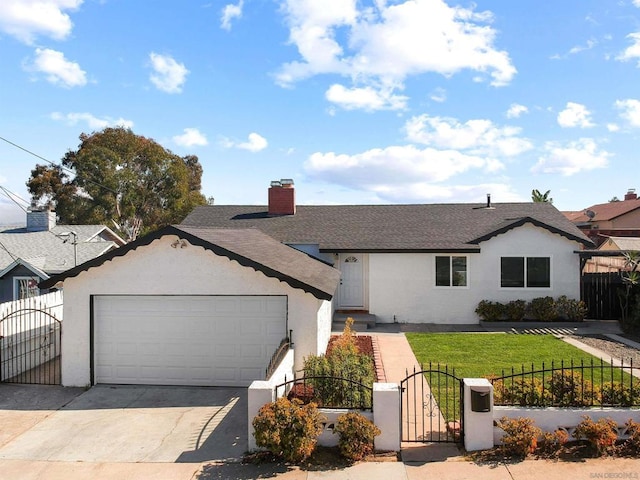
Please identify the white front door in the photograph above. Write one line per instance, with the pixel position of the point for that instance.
(352, 280)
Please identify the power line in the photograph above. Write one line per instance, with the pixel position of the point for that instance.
(10, 195)
(59, 165)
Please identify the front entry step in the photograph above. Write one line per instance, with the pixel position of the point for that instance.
(361, 320)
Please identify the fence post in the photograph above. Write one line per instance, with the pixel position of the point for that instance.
(478, 414)
(386, 415)
(260, 393)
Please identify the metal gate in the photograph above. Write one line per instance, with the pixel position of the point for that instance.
(431, 406)
(30, 347)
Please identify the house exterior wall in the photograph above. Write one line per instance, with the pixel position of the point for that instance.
(628, 220)
(6, 282)
(402, 286)
(159, 269)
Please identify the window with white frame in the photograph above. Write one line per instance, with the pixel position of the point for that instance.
(25, 287)
(525, 272)
(451, 271)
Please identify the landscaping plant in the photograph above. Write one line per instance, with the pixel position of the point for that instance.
(288, 429)
(520, 437)
(600, 435)
(357, 434)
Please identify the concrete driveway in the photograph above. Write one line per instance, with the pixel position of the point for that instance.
(122, 424)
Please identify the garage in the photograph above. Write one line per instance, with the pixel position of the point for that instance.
(203, 340)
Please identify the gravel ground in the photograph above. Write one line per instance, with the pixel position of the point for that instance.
(614, 349)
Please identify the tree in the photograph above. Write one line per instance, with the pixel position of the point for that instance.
(538, 197)
(119, 179)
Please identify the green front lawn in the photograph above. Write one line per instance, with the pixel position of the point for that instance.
(478, 355)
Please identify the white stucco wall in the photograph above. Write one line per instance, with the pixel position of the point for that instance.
(403, 285)
(159, 269)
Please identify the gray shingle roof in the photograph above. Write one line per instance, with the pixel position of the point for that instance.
(249, 247)
(47, 252)
(370, 228)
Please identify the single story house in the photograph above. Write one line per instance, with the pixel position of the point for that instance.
(32, 253)
(427, 263)
(208, 301)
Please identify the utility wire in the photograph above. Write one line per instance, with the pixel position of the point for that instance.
(62, 167)
(10, 195)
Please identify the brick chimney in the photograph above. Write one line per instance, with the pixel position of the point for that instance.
(282, 197)
(40, 220)
(631, 194)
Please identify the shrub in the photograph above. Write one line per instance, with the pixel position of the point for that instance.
(543, 309)
(632, 444)
(552, 443)
(520, 437)
(344, 361)
(573, 310)
(569, 389)
(515, 310)
(524, 392)
(288, 429)
(357, 434)
(490, 311)
(619, 394)
(601, 435)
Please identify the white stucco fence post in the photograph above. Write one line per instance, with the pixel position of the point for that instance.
(386, 415)
(478, 414)
(260, 393)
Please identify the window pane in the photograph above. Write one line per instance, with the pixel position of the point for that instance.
(512, 272)
(459, 269)
(538, 272)
(443, 272)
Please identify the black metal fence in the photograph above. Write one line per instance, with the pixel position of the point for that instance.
(30, 345)
(329, 392)
(278, 355)
(431, 405)
(593, 384)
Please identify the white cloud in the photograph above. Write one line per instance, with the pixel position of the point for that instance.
(516, 110)
(633, 51)
(366, 98)
(229, 12)
(575, 115)
(255, 143)
(438, 95)
(28, 19)
(630, 111)
(192, 137)
(393, 165)
(57, 69)
(168, 75)
(573, 158)
(613, 127)
(92, 121)
(478, 137)
(385, 44)
(432, 193)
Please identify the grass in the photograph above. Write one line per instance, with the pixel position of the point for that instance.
(479, 355)
(469, 355)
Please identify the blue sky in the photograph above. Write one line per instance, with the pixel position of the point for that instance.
(422, 101)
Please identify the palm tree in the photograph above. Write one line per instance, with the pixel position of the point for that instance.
(538, 197)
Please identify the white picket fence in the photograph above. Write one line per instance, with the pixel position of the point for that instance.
(49, 302)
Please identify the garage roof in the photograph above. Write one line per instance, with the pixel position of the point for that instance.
(248, 246)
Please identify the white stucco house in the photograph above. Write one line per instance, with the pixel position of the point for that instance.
(208, 301)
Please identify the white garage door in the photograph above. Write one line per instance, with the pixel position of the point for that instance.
(186, 340)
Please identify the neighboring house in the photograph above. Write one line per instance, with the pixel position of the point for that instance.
(609, 262)
(33, 253)
(617, 219)
(207, 302)
(192, 306)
